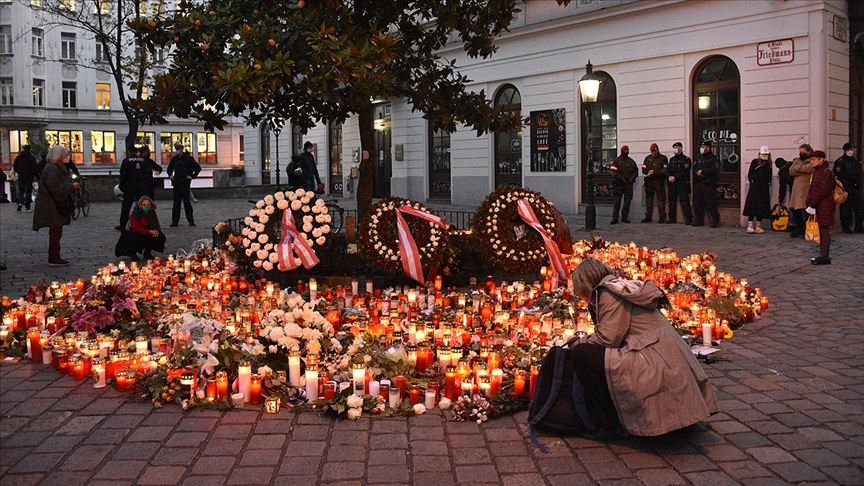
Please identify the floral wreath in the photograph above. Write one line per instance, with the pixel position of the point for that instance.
(379, 240)
(506, 240)
(261, 228)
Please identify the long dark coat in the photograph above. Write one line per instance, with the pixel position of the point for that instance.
(821, 194)
(54, 185)
(758, 203)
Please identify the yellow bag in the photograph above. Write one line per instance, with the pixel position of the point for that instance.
(811, 230)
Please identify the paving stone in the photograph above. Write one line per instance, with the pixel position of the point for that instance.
(120, 470)
(251, 475)
(220, 465)
(337, 471)
(433, 479)
(269, 441)
(660, 477)
(477, 474)
(387, 474)
(515, 464)
(741, 470)
(155, 434)
(162, 475)
(608, 470)
(474, 455)
(261, 457)
(389, 441)
(175, 456)
(385, 457)
(58, 444)
(306, 448)
(346, 453)
(86, 458)
(223, 447)
(66, 478)
(32, 463)
(299, 466)
(714, 478)
(197, 424)
(845, 474)
(559, 465)
(797, 472)
(429, 448)
(205, 480)
(186, 439)
(431, 463)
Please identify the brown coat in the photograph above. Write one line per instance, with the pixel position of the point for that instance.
(800, 172)
(54, 185)
(655, 382)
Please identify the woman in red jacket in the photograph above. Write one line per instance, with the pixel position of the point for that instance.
(820, 201)
(142, 232)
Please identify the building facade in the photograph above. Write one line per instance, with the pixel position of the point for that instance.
(54, 82)
(741, 74)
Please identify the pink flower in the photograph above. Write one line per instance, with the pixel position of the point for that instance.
(92, 320)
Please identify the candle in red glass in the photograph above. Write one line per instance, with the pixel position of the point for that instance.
(494, 360)
(535, 372)
(76, 368)
(451, 389)
(211, 389)
(255, 389)
(414, 394)
(221, 385)
(35, 339)
(400, 381)
(21, 320)
(60, 362)
(439, 282)
(329, 390)
(384, 391)
(121, 381)
(519, 383)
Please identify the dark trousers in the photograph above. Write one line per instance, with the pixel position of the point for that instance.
(25, 192)
(705, 200)
(622, 192)
(182, 194)
(125, 207)
(655, 189)
(680, 192)
(785, 185)
(590, 370)
(54, 235)
(825, 241)
(854, 205)
(797, 218)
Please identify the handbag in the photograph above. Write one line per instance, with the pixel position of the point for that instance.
(811, 229)
(779, 218)
(839, 193)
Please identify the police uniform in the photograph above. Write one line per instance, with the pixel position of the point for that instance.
(655, 186)
(136, 180)
(679, 168)
(705, 189)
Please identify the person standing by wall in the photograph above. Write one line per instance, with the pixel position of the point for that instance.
(311, 179)
(820, 201)
(181, 170)
(625, 172)
(847, 169)
(678, 174)
(783, 178)
(25, 168)
(54, 202)
(654, 169)
(758, 204)
(706, 170)
(801, 170)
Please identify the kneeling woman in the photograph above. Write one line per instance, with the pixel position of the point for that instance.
(635, 368)
(142, 233)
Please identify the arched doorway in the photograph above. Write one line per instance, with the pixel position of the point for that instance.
(717, 118)
(603, 137)
(508, 145)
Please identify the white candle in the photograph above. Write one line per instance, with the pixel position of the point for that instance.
(313, 289)
(393, 398)
(46, 355)
(358, 373)
(140, 345)
(238, 399)
(294, 368)
(29, 350)
(355, 287)
(312, 384)
(707, 332)
(349, 300)
(99, 374)
(430, 399)
(244, 378)
(368, 286)
(374, 388)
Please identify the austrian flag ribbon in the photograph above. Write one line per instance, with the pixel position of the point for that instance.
(556, 261)
(408, 251)
(293, 249)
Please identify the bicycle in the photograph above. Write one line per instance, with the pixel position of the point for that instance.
(80, 198)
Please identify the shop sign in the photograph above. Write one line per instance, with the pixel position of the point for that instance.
(775, 52)
(548, 141)
(841, 29)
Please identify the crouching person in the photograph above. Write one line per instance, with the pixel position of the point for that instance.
(142, 233)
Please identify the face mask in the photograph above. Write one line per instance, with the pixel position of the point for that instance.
(803, 155)
(625, 153)
(705, 150)
(850, 153)
(146, 209)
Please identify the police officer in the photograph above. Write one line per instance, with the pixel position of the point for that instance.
(136, 180)
(847, 169)
(678, 174)
(706, 170)
(654, 169)
(624, 172)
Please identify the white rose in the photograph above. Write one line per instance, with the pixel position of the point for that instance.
(244, 231)
(257, 263)
(262, 254)
(326, 218)
(248, 253)
(316, 209)
(325, 229)
(419, 409)
(260, 204)
(316, 232)
(296, 205)
(263, 219)
(274, 257)
(321, 240)
(253, 213)
(319, 203)
(325, 209)
(354, 401)
(354, 413)
(283, 204)
(268, 200)
(252, 235)
(263, 239)
(255, 246)
(307, 219)
(300, 192)
(279, 196)
(444, 403)
(307, 227)
(291, 195)
(305, 209)
(269, 210)
(268, 246)
(267, 266)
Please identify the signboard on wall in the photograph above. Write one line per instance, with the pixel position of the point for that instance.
(775, 52)
(548, 141)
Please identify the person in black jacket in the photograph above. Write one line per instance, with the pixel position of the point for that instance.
(25, 167)
(706, 170)
(182, 169)
(758, 204)
(654, 169)
(311, 179)
(145, 154)
(847, 169)
(295, 173)
(678, 174)
(625, 173)
(136, 180)
(783, 178)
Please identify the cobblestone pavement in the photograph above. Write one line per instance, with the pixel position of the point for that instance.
(792, 398)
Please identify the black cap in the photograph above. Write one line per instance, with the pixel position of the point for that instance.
(805, 146)
(706, 143)
(677, 144)
(848, 146)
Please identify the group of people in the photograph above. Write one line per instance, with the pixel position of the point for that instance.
(673, 174)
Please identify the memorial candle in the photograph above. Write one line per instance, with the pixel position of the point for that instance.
(34, 344)
(312, 383)
(211, 389)
(313, 289)
(400, 381)
(485, 386)
(329, 390)
(374, 388)
(451, 390)
(431, 396)
(414, 394)
(358, 373)
(535, 372)
(121, 381)
(98, 367)
(244, 378)
(707, 332)
(519, 383)
(355, 287)
(140, 344)
(255, 389)
(76, 367)
(497, 380)
(294, 368)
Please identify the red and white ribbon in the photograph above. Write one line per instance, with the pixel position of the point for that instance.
(407, 246)
(293, 249)
(556, 261)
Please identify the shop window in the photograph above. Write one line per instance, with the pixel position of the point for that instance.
(167, 141)
(439, 163)
(508, 145)
(146, 139)
(717, 118)
(206, 148)
(103, 145)
(73, 140)
(102, 53)
(103, 96)
(603, 138)
(17, 139)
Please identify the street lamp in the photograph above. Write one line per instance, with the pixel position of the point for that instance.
(589, 86)
(276, 125)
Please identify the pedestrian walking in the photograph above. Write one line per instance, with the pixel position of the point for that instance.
(311, 179)
(678, 176)
(820, 201)
(25, 168)
(706, 170)
(624, 172)
(54, 204)
(654, 169)
(801, 170)
(758, 204)
(181, 170)
(136, 180)
(847, 169)
(144, 234)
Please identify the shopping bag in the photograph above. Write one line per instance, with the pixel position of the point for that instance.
(811, 231)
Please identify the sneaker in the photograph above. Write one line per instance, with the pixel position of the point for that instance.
(626, 221)
(750, 229)
(646, 220)
(759, 230)
(19, 208)
(614, 221)
(59, 262)
(820, 260)
(191, 224)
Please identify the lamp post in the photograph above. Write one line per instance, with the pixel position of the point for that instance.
(589, 87)
(277, 130)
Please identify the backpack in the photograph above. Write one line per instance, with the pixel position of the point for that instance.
(840, 193)
(558, 405)
(779, 218)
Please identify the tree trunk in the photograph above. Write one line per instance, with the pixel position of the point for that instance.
(367, 148)
(132, 135)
